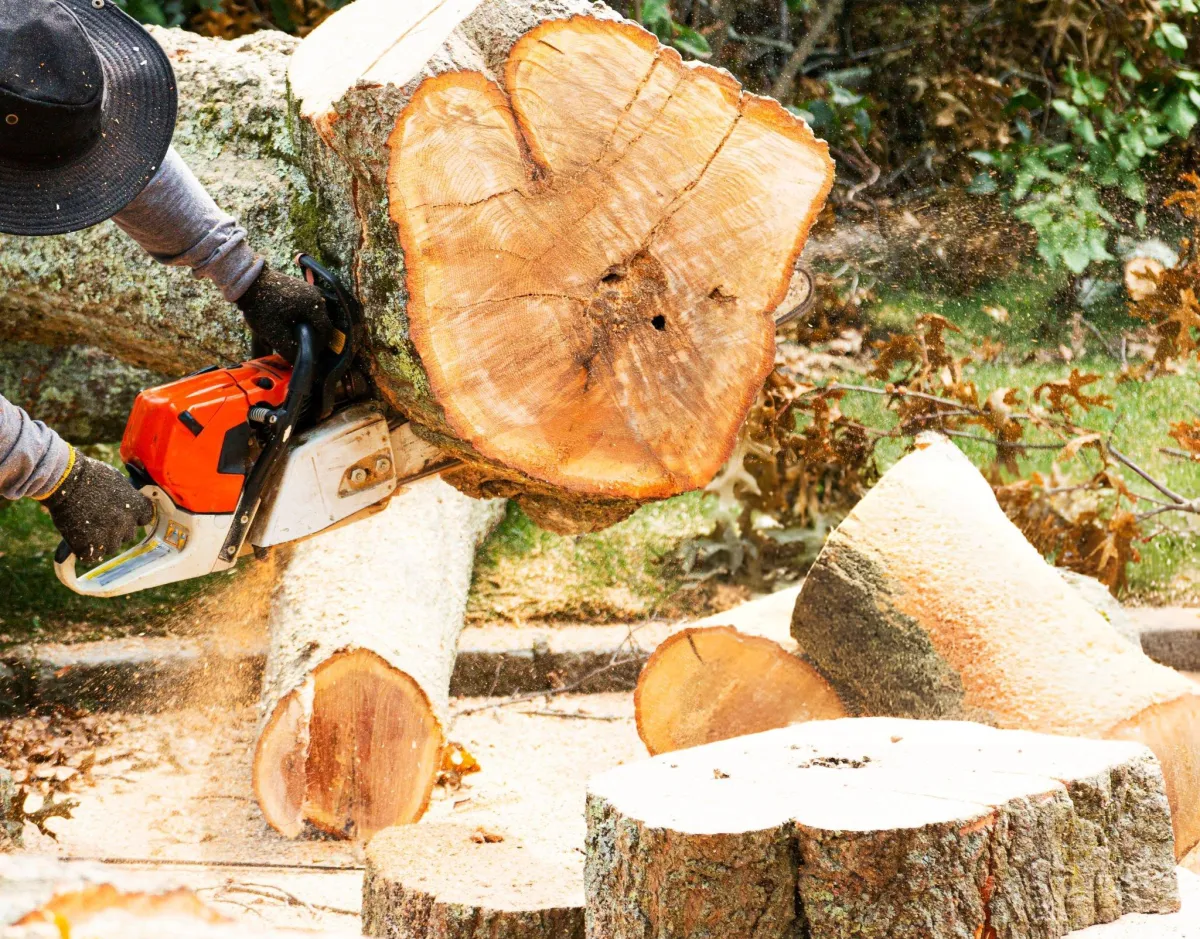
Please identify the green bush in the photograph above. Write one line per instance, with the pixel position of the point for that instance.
(1074, 182)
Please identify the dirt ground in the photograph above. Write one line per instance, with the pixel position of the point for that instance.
(171, 792)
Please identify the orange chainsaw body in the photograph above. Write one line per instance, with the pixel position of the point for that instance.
(193, 438)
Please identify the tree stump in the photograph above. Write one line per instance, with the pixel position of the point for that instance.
(449, 881)
(928, 602)
(357, 679)
(879, 828)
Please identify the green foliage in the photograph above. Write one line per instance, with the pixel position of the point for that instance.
(1103, 134)
(655, 15)
(840, 114)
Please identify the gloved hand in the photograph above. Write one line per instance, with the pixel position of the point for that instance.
(96, 509)
(273, 306)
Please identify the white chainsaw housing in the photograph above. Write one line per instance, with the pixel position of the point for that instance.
(333, 471)
(349, 465)
(178, 545)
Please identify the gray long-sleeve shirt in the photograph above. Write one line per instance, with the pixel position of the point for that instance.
(176, 222)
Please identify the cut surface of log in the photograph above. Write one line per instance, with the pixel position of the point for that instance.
(713, 683)
(596, 250)
(928, 602)
(879, 827)
(568, 270)
(451, 881)
(357, 678)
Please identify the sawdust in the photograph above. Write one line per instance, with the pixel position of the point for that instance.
(172, 790)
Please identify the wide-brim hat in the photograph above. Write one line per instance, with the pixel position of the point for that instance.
(136, 125)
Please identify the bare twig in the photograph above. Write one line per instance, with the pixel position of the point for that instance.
(272, 892)
(1002, 444)
(1175, 497)
(785, 84)
(552, 692)
(1181, 454)
(1112, 350)
(577, 716)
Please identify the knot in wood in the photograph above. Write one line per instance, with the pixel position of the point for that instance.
(630, 295)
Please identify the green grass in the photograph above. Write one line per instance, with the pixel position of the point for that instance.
(622, 573)
(1138, 420)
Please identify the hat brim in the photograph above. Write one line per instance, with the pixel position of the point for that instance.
(140, 103)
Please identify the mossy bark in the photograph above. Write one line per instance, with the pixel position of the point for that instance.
(83, 393)
(97, 287)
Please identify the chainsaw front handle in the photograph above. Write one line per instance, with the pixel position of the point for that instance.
(177, 545)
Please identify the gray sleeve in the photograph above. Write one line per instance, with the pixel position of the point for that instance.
(33, 458)
(176, 222)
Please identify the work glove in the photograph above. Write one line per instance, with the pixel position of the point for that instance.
(96, 509)
(273, 306)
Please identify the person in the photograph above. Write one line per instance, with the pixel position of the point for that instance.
(87, 113)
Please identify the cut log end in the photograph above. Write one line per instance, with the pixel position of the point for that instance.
(367, 758)
(458, 882)
(708, 684)
(595, 253)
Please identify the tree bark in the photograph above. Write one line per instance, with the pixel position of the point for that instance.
(712, 683)
(879, 829)
(928, 602)
(97, 288)
(83, 393)
(363, 632)
(448, 881)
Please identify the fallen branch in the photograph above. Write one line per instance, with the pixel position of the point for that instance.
(785, 84)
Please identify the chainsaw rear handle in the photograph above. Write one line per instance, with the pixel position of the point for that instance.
(94, 583)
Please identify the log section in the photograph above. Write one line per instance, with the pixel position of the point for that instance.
(568, 243)
(928, 602)
(879, 828)
(357, 678)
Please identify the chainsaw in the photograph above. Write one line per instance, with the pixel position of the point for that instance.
(239, 460)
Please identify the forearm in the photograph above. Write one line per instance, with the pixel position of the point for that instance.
(33, 458)
(176, 222)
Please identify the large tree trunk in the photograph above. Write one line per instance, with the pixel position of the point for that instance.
(98, 288)
(568, 244)
(83, 393)
(879, 829)
(363, 633)
(928, 602)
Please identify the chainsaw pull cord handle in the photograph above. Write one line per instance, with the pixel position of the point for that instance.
(299, 386)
